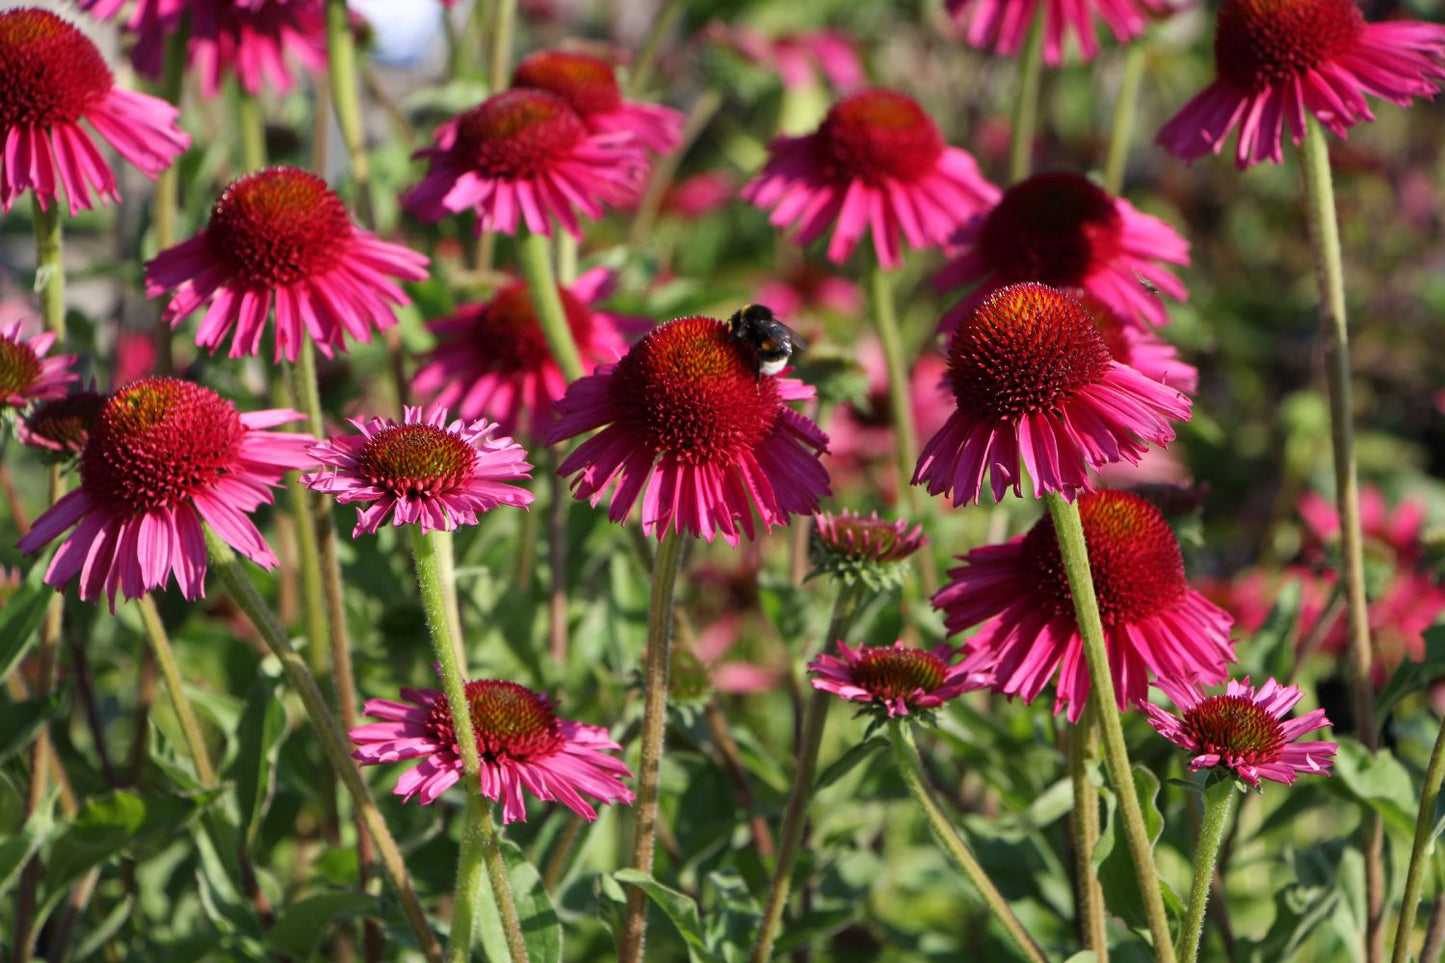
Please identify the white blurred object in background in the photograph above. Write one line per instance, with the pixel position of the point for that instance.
(405, 30)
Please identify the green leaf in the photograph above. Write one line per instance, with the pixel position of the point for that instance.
(19, 721)
(1114, 865)
(1380, 782)
(259, 735)
(21, 618)
(99, 938)
(16, 850)
(301, 925)
(845, 763)
(679, 908)
(1412, 676)
(733, 921)
(541, 927)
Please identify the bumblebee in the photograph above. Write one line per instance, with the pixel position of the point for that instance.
(773, 340)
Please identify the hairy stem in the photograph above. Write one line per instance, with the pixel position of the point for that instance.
(542, 285)
(1026, 108)
(1126, 105)
(1218, 801)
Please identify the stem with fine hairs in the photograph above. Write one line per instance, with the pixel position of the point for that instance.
(1026, 108)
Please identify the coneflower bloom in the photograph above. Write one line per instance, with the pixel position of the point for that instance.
(1275, 63)
(877, 165)
(1002, 25)
(492, 359)
(26, 375)
(51, 78)
(898, 679)
(1033, 380)
(524, 158)
(1139, 348)
(61, 425)
(163, 457)
(690, 425)
(1242, 730)
(863, 549)
(281, 238)
(423, 471)
(1063, 230)
(1154, 623)
(522, 744)
(589, 86)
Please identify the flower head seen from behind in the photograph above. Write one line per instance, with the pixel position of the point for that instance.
(691, 427)
(1276, 64)
(589, 86)
(280, 240)
(1034, 381)
(864, 549)
(51, 78)
(1061, 229)
(61, 426)
(423, 471)
(878, 165)
(163, 457)
(1002, 25)
(524, 158)
(1154, 623)
(26, 374)
(521, 741)
(895, 680)
(492, 359)
(1242, 731)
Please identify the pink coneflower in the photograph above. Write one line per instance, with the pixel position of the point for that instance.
(700, 666)
(701, 194)
(686, 416)
(807, 289)
(491, 358)
(522, 743)
(1277, 62)
(1154, 623)
(163, 457)
(1242, 730)
(799, 58)
(589, 86)
(1033, 380)
(897, 679)
(1062, 230)
(1002, 25)
(61, 425)
(51, 78)
(876, 164)
(423, 471)
(524, 158)
(26, 375)
(864, 549)
(281, 236)
(1395, 533)
(1139, 348)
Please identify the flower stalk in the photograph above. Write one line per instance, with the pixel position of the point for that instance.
(346, 97)
(1126, 105)
(905, 754)
(536, 262)
(166, 658)
(1069, 529)
(1218, 803)
(654, 723)
(1420, 850)
(1026, 108)
(1084, 826)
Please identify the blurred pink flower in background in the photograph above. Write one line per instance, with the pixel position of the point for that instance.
(589, 86)
(26, 375)
(1002, 25)
(799, 58)
(700, 194)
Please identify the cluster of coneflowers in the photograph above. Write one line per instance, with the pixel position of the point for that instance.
(1053, 370)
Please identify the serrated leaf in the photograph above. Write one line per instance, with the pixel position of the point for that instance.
(301, 925)
(1114, 864)
(541, 927)
(847, 762)
(1380, 781)
(259, 734)
(679, 908)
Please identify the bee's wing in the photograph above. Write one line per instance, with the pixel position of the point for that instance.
(794, 338)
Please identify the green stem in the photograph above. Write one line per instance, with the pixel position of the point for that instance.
(1218, 800)
(1084, 826)
(1126, 105)
(252, 129)
(504, 19)
(49, 268)
(491, 852)
(168, 183)
(346, 98)
(845, 610)
(654, 723)
(333, 741)
(1026, 108)
(1069, 530)
(1420, 850)
(905, 753)
(662, 24)
(166, 659)
(1330, 274)
(547, 303)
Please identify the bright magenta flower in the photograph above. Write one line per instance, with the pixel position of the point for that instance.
(691, 426)
(522, 743)
(423, 471)
(876, 164)
(1062, 230)
(491, 358)
(1002, 25)
(1034, 381)
(524, 158)
(1140, 348)
(51, 78)
(1242, 730)
(900, 679)
(1154, 623)
(589, 86)
(26, 375)
(1277, 62)
(282, 237)
(164, 456)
